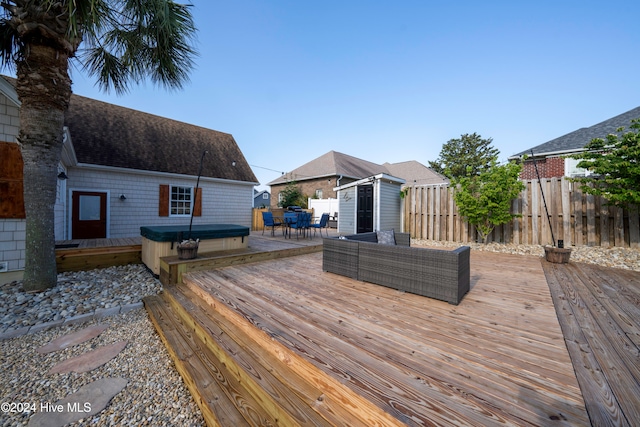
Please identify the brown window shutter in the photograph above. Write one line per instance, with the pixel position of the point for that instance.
(197, 205)
(163, 206)
(11, 188)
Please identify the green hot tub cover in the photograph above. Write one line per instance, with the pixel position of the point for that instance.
(169, 233)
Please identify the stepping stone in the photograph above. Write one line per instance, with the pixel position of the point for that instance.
(89, 400)
(90, 360)
(73, 338)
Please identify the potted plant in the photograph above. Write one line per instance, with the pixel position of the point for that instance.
(188, 249)
(557, 254)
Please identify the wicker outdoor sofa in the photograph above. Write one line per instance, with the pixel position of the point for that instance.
(434, 273)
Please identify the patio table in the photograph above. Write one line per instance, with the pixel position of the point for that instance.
(288, 219)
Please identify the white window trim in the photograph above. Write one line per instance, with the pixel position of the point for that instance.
(572, 170)
(191, 200)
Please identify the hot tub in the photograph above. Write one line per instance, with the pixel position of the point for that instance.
(161, 240)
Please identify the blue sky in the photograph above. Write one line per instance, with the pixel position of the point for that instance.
(395, 80)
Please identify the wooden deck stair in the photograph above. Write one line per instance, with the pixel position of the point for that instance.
(239, 375)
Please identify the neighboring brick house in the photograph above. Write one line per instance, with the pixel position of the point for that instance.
(551, 157)
(319, 177)
(127, 169)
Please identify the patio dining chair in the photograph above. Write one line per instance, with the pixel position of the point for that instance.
(323, 223)
(270, 221)
(302, 224)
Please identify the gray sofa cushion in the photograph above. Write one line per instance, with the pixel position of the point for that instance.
(386, 237)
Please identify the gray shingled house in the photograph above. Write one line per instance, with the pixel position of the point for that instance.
(122, 169)
(551, 156)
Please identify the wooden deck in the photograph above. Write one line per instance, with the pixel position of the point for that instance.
(98, 243)
(499, 358)
(259, 248)
(506, 355)
(599, 311)
(87, 254)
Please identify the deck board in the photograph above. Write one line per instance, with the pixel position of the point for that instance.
(497, 358)
(598, 310)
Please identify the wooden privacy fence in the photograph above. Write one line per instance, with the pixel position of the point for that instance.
(576, 217)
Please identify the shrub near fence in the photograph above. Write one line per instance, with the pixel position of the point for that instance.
(576, 217)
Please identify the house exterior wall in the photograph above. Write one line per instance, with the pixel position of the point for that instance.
(12, 238)
(222, 203)
(387, 206)
(549, 167)
(60, 223)
(262, 199)
(12, 230)
(309, 187)
(9, 119)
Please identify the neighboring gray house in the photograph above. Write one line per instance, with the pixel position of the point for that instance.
(122, 169)
(261, 199)
(319, 177)
(551, 156)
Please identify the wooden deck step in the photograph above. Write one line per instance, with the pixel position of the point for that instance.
(87, 258)
(347, 384)
(215, 354)
(217, 408)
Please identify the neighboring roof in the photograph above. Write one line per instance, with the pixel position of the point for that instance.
(331, 164)
(415, 173)
(334, 163)
(381, 176)
(109, 135)
(576, 140)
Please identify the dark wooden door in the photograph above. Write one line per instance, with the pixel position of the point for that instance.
(365, 209)
(89, 215)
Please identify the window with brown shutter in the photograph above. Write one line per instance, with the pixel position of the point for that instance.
(176, 201)
(11, 188)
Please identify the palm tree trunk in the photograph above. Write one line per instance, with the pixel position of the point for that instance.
(44, 89)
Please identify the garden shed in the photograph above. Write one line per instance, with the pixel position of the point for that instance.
(370, 204)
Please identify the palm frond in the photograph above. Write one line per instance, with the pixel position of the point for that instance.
(11, 46)
(151, 38)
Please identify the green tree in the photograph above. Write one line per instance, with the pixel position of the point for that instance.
(292, 196)
(485, 199)
(124, 42)
(465, 156)
(615, 161)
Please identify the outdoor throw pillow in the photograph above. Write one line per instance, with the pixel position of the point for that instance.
(386, 237)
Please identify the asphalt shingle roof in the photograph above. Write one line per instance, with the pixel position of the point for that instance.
(334, 163)
(110, 135)
(576, 140)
